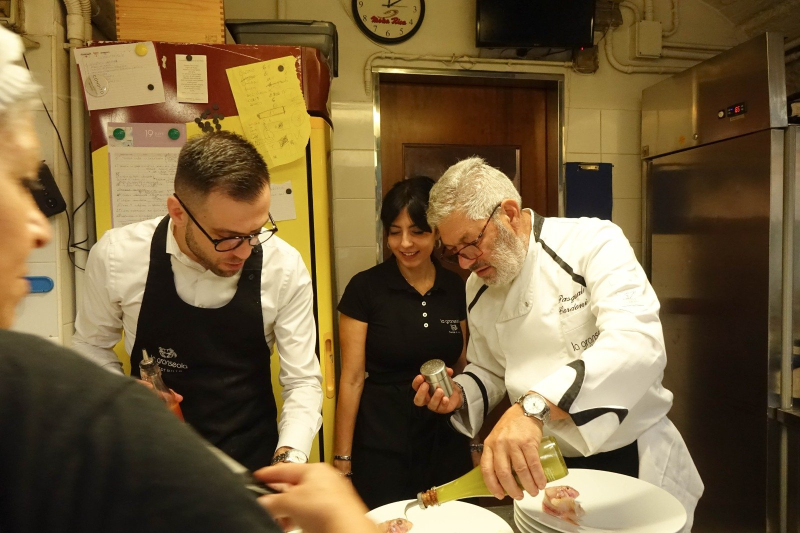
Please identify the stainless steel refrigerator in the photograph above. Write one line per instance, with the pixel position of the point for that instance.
(721, 218)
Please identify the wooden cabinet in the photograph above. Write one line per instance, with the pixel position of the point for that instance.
(172, 21)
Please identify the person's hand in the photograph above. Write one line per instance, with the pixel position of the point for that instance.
(315, 498)
(438, 402)
(513, 448)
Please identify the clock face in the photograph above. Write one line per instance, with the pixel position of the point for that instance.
(389, 21)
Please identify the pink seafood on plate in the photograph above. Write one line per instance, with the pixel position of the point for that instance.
(395, 525)
(560, 502)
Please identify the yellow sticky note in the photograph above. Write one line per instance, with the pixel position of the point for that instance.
(272, 109)
(233, 124)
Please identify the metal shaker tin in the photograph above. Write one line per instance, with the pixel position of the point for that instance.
(435, 373)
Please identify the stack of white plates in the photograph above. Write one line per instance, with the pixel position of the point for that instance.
(612, 502)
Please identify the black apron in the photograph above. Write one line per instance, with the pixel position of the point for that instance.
(218, 359)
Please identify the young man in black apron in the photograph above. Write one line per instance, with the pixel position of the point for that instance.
(208, 291)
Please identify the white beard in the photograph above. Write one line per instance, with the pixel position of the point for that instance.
(507, 258)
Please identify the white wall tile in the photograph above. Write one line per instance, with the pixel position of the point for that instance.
(40, 61)
(350, 261)
(627, 214)
(583, 131)
(627, 175)
(582, 158)
(353, 174)
(354, 223)
(352, 126)
(621, 131)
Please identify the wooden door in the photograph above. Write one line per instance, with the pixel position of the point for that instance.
(473, 116)
(429, 111)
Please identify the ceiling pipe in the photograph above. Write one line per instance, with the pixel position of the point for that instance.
(79, 30)
(675, 22)
(684, 54)
(648, 9)
(636, 68)
(693, 46)
(756, 23)
(794, 43)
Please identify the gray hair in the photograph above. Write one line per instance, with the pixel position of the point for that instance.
(17, 88)
(472, 188)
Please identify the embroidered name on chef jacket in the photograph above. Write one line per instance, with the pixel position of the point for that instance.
(580, 324)
(574, 302)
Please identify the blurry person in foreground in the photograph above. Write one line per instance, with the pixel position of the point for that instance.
(84, 450)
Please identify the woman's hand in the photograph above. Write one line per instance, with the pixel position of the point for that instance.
(436, 402)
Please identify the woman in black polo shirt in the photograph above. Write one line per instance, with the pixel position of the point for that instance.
(394, 317)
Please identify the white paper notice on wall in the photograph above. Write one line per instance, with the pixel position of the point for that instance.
(282, 201)
(120, 75)
(141, 181)
(192, 78)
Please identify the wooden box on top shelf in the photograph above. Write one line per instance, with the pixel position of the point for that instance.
(176, 21)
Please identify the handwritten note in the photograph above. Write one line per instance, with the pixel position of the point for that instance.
(192, 78)
(272, 108)
(120, 75)
(141, 180)
(282, 201)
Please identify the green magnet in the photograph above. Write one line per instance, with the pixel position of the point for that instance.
(119, 134)
(174, 134)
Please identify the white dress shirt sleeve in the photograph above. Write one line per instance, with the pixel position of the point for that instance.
(98, 324)
(300, 375)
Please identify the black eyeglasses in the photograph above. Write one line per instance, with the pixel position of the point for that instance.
(230, 243)
(469, 251)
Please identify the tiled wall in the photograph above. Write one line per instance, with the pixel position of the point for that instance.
(354, 190)
(50, 315)
(612, 136)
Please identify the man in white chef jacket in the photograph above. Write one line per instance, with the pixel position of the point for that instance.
(208, 291)
(563, 320)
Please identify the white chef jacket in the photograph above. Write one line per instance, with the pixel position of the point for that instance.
(579, 325)
(116, 274)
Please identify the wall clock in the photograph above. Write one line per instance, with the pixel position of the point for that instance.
(389, 21)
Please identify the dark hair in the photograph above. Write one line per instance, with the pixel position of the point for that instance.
(221, 161)
(411, 194)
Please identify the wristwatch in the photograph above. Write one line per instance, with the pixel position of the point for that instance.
(290, 456)
(535, 406)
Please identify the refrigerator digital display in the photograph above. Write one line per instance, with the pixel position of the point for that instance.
(736, 110)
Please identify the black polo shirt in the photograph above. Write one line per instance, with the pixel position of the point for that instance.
(406, 329)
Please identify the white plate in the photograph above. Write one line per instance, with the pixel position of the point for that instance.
(450, 517)
(528, 525)
(612, 502)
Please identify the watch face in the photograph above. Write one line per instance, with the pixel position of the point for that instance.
(295, 456)
(533, 404)
(389, 21)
